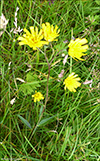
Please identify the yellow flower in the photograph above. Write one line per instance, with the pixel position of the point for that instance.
(71, 82)
(50, 33)
(33, 39)
(77, 47)
(37, 96)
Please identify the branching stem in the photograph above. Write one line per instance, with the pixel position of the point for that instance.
(47, 90)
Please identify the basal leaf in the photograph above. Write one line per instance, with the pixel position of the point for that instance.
(45, 120)
(24, 121)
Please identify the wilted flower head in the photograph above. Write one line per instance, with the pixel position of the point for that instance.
(33, 39)
(77, 48)
(3, 24)
(37, 96)
(65, 59)
(12, 101)
(61, 74)
(50, 33)
(71, 82)
(16, 29)
(88, 82)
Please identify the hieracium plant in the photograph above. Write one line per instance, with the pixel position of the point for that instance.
(36, 39)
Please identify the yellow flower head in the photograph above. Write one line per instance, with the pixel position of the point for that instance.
(37, 96)
(50, 33)
(77, 47)
(33, 39)
(71, 82)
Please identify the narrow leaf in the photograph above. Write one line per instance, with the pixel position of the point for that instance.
(45, 120)
(24, 121)
(32, 146)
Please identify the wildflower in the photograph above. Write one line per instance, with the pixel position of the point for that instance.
(50, 33)
(71, 82)
(77, 47)
(3, 24)
(37, 96)
(33, 39)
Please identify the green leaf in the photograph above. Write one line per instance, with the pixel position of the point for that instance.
(24, 121)
(41, 109)
(46, 120)
(30, 85)
(28, 89)
(97, 1)
(32, 146)
(30, 77)
(1, 62)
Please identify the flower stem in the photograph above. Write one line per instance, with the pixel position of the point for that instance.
(46, 100)
(70, 64)
(70, 56)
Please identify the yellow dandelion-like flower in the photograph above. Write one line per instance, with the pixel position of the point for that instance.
(37, 96)
(33, 39)
(71, 82)
(50, 33)
(77, 48)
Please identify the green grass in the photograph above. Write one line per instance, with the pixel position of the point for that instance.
(69, 127)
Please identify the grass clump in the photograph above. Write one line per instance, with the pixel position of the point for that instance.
(57, 123)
